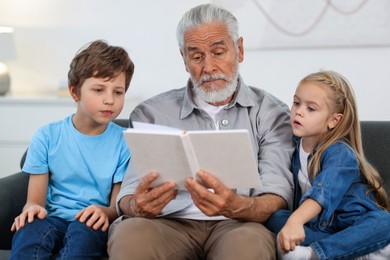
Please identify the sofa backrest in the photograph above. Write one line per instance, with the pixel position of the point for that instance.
(376, 145)
(121, 122)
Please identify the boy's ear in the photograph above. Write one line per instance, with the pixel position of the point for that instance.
(335, 120)
(72, 92)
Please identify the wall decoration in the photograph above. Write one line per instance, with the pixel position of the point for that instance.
(314, 23)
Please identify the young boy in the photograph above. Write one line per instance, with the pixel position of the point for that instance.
(76, 165)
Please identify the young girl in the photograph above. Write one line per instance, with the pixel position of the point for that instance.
(339, 198)
(77, 164)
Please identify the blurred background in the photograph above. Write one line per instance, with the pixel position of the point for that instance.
(284, 40)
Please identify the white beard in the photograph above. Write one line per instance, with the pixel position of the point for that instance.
(215, 95)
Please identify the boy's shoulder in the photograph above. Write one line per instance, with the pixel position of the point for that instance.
(55, 124)
(114, 128)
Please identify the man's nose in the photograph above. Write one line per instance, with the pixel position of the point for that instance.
(209, 64)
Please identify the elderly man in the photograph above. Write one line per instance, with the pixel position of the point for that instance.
(216, 223)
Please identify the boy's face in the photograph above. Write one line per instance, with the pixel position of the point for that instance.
(100, 100)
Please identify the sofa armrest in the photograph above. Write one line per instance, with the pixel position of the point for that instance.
(13, 194)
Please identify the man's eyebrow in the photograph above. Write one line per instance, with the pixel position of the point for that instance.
(221, 42)
(192, 48)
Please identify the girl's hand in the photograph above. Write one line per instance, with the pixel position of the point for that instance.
(29, 213)
(98, 217)
(291, 235)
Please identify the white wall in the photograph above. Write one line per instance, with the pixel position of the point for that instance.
(48, 34)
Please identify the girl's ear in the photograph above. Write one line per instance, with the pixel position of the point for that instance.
(335, 120)
(73, 94)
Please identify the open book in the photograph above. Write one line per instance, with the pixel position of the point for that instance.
(176, 154)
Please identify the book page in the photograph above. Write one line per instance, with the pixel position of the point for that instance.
(228, 155)
(160, 152)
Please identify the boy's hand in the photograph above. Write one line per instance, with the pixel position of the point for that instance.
(29, 213)
(98, 217)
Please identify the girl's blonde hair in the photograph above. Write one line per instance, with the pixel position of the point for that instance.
(342, 100)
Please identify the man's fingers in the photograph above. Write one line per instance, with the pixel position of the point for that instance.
(146, 181)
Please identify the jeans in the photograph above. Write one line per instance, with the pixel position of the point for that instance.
(72, 240)
(368, 234)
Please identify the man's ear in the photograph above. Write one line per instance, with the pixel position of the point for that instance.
(240, 45)
(184, 60)
(335, 120)
(72, 92)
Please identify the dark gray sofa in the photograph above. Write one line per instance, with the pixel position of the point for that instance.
(13, 188)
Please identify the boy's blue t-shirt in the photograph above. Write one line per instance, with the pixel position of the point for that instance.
(82, 169)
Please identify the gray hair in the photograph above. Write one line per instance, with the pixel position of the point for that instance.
(206, 14)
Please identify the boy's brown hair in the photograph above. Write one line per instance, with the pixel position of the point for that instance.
(99, 60)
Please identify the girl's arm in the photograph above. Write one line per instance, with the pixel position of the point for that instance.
(100, 216)
(293, 234)
(36, 201)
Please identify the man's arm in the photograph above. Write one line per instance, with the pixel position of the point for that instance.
(275, 143)
(226, 202)
(256, 209)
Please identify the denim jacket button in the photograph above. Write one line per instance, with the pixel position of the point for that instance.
(323, 224)
(320, 184)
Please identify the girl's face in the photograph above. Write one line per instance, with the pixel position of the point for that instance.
(311, 115)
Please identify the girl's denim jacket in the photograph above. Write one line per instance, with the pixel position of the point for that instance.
(339, 188)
